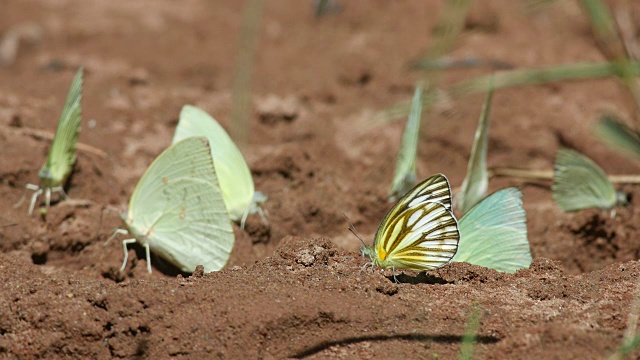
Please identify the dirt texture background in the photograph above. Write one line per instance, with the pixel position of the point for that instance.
(296, 289)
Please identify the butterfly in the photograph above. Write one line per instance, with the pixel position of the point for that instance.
(619, 136)
(62, 154)
(404, 177)
(233, 172)
(493, 233)
(177, 212)
(419, 232)
(476, 182)
(579, 183)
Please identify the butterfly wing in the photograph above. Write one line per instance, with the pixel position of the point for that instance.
(233, 172)
(493, 233)
(476, 182)
(62, 154)
(404, 176)
(177, 207)
(419, 232)
(619, 136)
(579, 183)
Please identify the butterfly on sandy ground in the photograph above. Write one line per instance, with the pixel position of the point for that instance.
(476, 182)
(62, 154)
(579, 183)
(493, 233)
(404, 176)
(619, 136)
(177, 211)
(233, 172)
(419, 232)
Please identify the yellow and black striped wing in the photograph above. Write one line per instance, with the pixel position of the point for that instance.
(420, 232)
(435, 189)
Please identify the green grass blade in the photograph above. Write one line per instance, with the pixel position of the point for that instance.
(611, 43)
(631, 337)
(446, 63)
(241, 103)
(471, 333)
(515, 78)
(405, 176)
(450, 24)
(602, 22)
(476, 182)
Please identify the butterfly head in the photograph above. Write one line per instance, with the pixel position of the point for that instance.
(367, 251)
(46, 178)
(259, 198)
(622, 199)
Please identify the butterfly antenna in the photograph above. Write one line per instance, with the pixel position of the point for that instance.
(104, 208)
(353, 230)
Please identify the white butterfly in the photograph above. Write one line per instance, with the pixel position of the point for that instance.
(233, 172)
(177, 212)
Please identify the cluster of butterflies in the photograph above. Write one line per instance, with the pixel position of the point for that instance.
(421, 232)
(182, 206)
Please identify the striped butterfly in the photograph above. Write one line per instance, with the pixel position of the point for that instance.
(62, 154)
(419, 232)
(233, 172)
(177, 212)
(579, 183)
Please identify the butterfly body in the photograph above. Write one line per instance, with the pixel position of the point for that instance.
(177, 211)
(419, 232)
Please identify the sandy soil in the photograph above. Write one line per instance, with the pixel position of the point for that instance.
(296, 289)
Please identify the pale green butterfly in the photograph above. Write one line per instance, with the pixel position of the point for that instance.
(419, 232)
(579, 183)
(177, 212)
(476, 182)
(493, 233)
(404, 176)
(62, 154)
(619, 136)
(233, 172)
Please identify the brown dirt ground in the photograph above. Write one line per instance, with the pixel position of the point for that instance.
(295, 290)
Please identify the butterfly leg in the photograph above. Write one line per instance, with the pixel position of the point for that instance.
(24, 194)
(393, 271)
(148, 253)
(263, 216)
(244, 219)
(34, 197)
(126, 253)
(60, 190)
(115, 233)
(47, 196)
